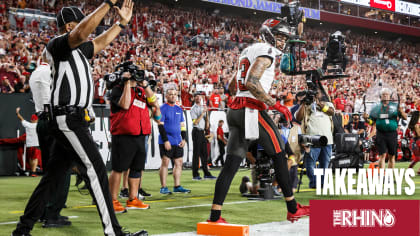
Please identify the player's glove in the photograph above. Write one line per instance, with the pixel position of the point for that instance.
(282, 109)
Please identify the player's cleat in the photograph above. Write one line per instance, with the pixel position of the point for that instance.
(136, 204)
(301, 211)
(140, 233)
(144, 193)
(181, 189)
(124, 193)
(165, 190)
(220, 220)
(197, 178)
(210, 177)
(118, 208)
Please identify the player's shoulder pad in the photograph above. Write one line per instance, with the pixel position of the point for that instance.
(265, 49)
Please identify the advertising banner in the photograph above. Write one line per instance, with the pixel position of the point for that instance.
(408, 8)
(358, 2)
(262, 5)
(388, 5)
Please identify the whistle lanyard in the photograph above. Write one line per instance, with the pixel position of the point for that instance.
(387, 108)
(356, 126)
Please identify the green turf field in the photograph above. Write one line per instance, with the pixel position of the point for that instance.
(15, 192)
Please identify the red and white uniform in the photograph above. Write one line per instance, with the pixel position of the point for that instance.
(244, 98)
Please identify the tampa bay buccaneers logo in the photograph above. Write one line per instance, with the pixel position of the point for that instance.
(271, 22)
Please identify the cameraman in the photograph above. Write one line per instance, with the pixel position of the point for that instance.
(316, 119)
(357, 127)
(130, 124)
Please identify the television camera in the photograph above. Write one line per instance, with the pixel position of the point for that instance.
(137, 75)
(336, 49)
(291, 62)
(313, 140)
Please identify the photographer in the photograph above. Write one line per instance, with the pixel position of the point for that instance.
(300, 96)
(130, 124)
(384, 118)
(357, 127)
(316, 119)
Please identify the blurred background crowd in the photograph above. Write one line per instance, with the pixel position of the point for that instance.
(194, 50)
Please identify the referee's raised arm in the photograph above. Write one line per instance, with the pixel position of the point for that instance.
(82, 30)
(106, 38)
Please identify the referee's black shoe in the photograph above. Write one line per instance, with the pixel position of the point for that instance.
(140, 233)
(20, 234)
(56, 223)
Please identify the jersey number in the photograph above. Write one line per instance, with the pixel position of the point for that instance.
(243, 67)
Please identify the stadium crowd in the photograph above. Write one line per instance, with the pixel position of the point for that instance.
(196, 54)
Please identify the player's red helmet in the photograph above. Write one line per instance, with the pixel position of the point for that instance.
(273, 27)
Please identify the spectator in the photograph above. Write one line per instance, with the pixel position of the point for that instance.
(6, 86)
(215, 99)
(221, 141)
(32, 146)
(340, 102)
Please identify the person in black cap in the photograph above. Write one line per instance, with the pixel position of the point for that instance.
(71, 99)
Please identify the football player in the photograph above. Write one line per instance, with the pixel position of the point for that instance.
(248, 111)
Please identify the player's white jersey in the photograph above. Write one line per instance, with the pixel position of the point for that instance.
(247, 58)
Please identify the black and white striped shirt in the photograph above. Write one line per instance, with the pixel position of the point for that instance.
(72, 74)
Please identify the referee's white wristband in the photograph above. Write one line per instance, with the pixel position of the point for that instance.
(120, 25)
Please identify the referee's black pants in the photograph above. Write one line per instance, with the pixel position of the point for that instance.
(58, 197)
(76, 143)
(199, 151)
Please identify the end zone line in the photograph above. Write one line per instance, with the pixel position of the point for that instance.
(202, 205)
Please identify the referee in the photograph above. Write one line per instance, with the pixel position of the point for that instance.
(71, 95)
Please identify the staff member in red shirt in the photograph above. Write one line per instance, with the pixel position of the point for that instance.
(130, 124)
(222, 143)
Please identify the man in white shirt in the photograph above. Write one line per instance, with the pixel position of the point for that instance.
(32, 146)
(40, 82)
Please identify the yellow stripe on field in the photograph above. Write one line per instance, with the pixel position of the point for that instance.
(167, 200)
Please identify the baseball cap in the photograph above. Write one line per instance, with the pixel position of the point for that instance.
(34, 117)
(69, 14)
